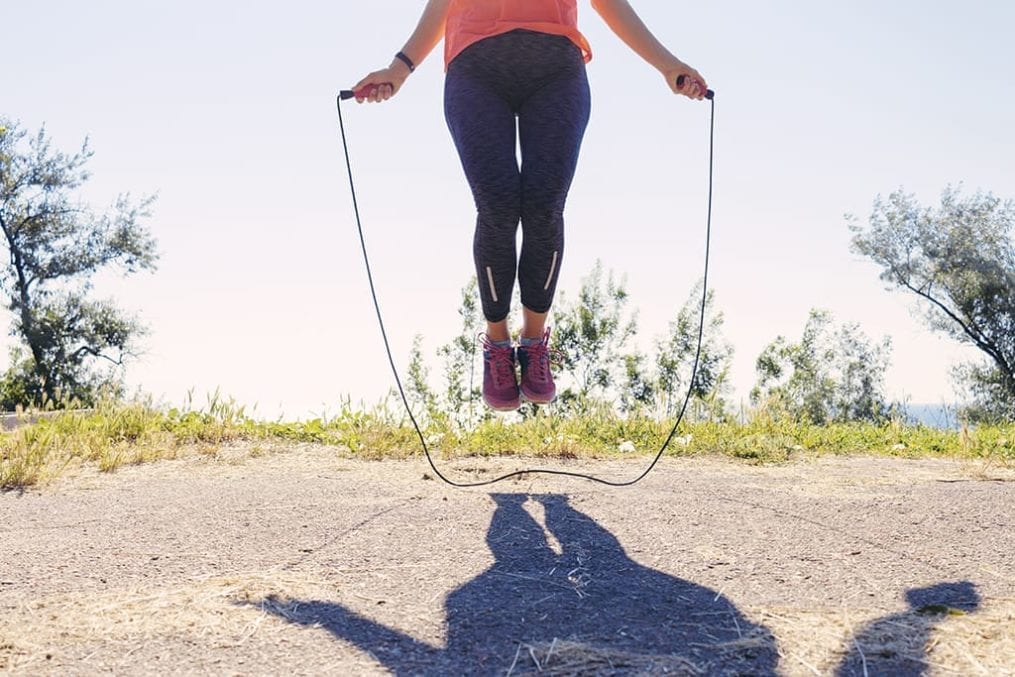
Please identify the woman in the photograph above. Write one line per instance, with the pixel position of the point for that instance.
(518, 67)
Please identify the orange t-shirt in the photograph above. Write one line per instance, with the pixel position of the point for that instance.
(469, 21)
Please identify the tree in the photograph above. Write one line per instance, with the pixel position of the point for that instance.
(675, 356)
(637, 391)
(830, 375)
(959, 260)
(591, 334)
(988, 395)
(460, 392)
(56, 245)
(422, 398)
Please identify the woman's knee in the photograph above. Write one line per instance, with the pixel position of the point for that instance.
(499, 211)
(542, 223)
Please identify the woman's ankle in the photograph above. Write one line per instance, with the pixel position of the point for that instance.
(498, 331)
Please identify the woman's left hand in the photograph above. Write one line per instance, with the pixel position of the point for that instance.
(694, 84)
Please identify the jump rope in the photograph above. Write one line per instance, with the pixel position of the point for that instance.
(345, 95)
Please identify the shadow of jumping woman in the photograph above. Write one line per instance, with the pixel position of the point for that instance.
(579, 606)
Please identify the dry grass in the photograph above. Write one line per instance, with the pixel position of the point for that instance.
(815, 642)
(563, 658)
(226, 613)
(117, 434)
(215, 613)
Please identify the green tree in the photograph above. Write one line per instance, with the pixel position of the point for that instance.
(831, 374)
(459, 355)
(637, 391)
(56, 244)
(987, 394)
(418, 391)
(675, 356)
(591, 336)
(959, 260)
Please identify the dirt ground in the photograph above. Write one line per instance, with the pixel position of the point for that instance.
(303, 562)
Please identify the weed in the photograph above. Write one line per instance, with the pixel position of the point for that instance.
(118, 433)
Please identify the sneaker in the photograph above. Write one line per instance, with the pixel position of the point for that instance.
(537, 381)
(500, 385)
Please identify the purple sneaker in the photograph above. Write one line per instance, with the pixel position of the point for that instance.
(537, 381)
(500, 385)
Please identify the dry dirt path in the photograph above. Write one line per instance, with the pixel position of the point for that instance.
(306, 563)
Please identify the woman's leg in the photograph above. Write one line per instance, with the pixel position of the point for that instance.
(498, 331)
(551, 125)
(483, 127)
(533, 324)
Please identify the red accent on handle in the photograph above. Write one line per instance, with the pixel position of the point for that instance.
(362, 93)
(680, 85)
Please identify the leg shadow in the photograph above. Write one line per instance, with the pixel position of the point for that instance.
(578, 606)
(897, 644)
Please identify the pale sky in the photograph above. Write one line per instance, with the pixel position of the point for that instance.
(226, 110)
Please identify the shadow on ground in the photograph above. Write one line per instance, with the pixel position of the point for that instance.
(897, 644)
(586, 609)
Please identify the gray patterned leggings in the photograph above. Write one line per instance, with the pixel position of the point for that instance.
(529, 89)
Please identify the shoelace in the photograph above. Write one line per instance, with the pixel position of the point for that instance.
(502, 364)
(538, 367)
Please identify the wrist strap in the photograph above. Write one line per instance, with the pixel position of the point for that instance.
(407, 61)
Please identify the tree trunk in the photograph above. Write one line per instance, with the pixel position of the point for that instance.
(28, 328)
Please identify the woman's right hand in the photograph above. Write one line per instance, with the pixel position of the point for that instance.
(382, 84)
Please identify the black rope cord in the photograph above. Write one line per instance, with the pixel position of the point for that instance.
(535, 471)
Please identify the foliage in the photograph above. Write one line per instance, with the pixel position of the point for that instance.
(831, 374)
(987, 393)
(459, 356)
(637, 390)
(118, 433)
(591, 336)
(959, 260)
(417, 387)
(675, 356)
(594, 357)
(56, 245)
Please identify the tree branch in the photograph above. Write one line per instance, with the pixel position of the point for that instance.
(975, 335)
(88, 350)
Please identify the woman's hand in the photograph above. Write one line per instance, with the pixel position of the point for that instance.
(694, 84)
(383, 84)
(624, 21)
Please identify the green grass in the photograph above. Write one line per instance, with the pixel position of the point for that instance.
(117, 434)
